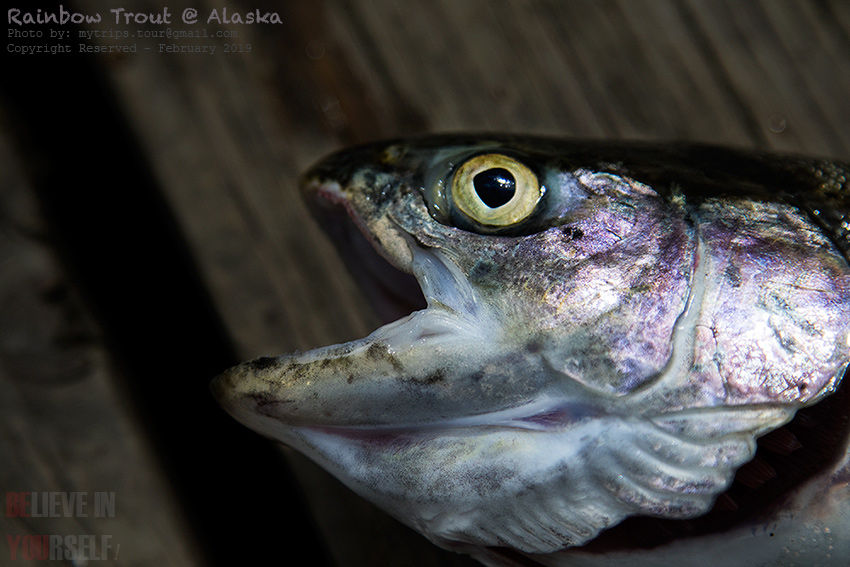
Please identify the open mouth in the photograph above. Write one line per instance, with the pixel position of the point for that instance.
(392, 293)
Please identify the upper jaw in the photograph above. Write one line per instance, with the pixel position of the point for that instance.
(368, 196)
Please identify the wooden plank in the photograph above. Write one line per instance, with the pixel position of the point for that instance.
(782, 65)
(66, 426)
(226, 135)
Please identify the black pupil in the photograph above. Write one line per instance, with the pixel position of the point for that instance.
(495, 186)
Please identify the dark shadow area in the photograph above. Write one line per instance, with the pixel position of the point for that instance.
(122, 248)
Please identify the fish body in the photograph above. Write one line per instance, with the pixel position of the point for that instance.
(609, 330)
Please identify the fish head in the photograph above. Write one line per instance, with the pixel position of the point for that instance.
(603, 336)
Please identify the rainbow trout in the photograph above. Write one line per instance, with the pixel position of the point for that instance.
(628, 354)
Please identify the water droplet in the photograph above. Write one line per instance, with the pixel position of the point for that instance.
(315, 49)
(777, 123)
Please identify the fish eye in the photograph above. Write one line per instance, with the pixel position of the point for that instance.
(495, 190)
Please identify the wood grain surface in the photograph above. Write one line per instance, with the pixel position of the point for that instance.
(67, 426)
(222, 137)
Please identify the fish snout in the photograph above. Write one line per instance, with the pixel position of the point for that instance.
(248, 389)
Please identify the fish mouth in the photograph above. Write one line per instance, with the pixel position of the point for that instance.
(429, 304)
(376, 391)
(390, 288)
(407, 277)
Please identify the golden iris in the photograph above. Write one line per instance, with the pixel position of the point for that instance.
(495, 190)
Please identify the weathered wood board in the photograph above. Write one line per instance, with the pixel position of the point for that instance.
(226, 134)
(69, 436)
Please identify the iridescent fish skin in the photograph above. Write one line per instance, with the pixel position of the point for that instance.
(606, 339)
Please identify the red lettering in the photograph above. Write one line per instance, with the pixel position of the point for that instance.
(16, 504)
(28, 549)
(35, 547)
(24, 511)
(13, 544)
(11, 504)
